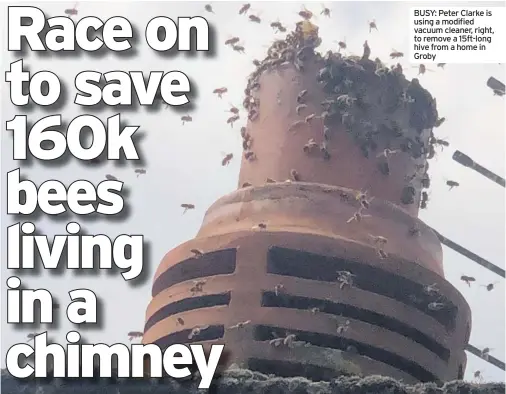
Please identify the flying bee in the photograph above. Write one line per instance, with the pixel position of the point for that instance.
(196, 253)
(372, 25)
(226, 160)
(295, 175)
(452, 184)
(381, 253)
(135, 334)
(325, 11)
(232, 119)
(490, 286)
(180, 321)
(357, 216)
(485, 353)
(442, 65)
(436, 306)
(196, 331)
(71, 11)
(301, 96)
(299, 108)
(467, 279)
(233, 109)
(277, 26)
(238, 48)
(186, 118)
(254, 18)
(396, 54)
(278, 289)
(424, 200)
(232, 41)
(187, 207)
(341, 328)
(140, 171)
(244, 9)
(342, 44)
(257, 63)
(240, 324)
(306, 14)
(345, 278)
(110, 177)
(220, 91)
(422, 69)
(209, 8)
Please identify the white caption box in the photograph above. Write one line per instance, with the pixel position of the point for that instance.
(457, 34)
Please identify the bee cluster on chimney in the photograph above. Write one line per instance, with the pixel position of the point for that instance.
(383, 112)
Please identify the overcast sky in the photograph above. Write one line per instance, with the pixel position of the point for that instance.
(183, 162)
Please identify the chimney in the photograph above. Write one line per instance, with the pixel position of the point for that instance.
(317, 265)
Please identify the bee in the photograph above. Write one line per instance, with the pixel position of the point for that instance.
(277, 26)
(240, 324)
(110, 177)
(135, 334)
(196, 331)
(396, 54)
(209, 8)
(436, 306)
(226, 160)
(186, 118)
(238, 48)
(325, 11)
(467, 279)
(413, 231)
(289, 340)
(314, 310)
(299, 108)
(233, 109)
(220, 91)
(301, 96)
(452, 184)
(379, 240)
(306, 14)
(198, 286)
(372, 25)
(477, 375)
(31, 336)
(357, 216)
(254, 18)
(140, 171)
(341, 328)
(180, 321)
(424, 201)
(246, 184)
(431, 290)
(244, 9)
(270, 180)
(281, 29)
(442, 65)
(345, 278)
(382, 254)
(325, 151)
(296, 125)
(346, 99)
(490, 286)
(422, 69)
(257, 63)
(311, 145)
(260, 226)
(342, 44)
(439, 122)
(485, 353)
(276, 342)
(187, 207)
(250, 156)
(196, 253)
(71, 11)
(278, 289)
(309, 118)
(295, 175)
(232, 41)
(232, 119)
(386, 153)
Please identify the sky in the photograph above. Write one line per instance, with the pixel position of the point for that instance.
(183, 163)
